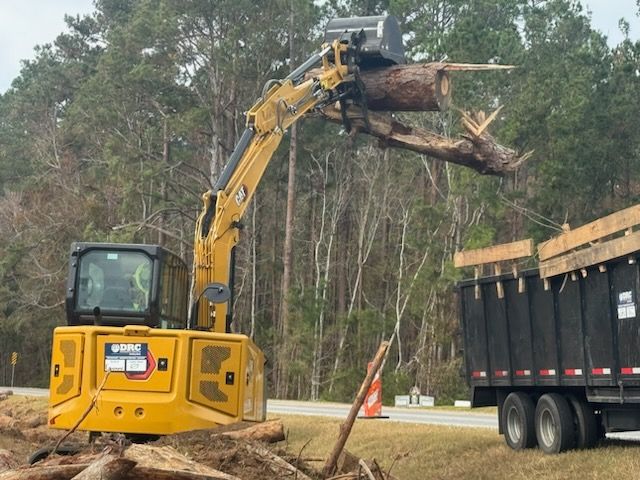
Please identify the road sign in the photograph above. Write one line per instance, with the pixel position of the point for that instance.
(14, 360)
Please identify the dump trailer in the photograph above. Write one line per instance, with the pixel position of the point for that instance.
(559, 356)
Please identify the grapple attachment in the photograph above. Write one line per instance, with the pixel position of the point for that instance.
(382, 44)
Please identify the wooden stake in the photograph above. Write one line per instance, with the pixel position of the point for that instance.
(345, 428)
(521, 285)
(499, 288)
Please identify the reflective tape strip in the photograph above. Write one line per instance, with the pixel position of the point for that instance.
(601, 371)
(573, 371)
(523, 373)
(630, 370)
(501, 373)
(478, 374)
(546, 372)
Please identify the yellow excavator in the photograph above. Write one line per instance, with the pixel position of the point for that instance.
(156, 364)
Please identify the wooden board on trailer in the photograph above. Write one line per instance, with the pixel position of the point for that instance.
(494, 254)
(590, 232)
(595, 255)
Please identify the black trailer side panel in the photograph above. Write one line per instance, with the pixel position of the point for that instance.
(475, 337)
(598, 333)
(545, 352)
(519, 333)
(497, 336)
(569, 310)
(624, 293)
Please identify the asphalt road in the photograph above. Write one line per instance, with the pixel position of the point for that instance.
(408, 415)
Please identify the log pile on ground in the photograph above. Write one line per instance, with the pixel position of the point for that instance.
(199, 455)
(245, 451)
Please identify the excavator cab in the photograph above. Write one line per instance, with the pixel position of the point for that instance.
(381, 45)
(126, 284)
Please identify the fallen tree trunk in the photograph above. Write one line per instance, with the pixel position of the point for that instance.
(271, 431)
(477, 150)
(107, 467)
(419, 87)
(53, 472)
(160, 463)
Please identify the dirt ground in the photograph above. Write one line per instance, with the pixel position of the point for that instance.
(23, 430)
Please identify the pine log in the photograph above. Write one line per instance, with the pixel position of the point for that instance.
(419, 87)
(53, 472)
(407, 88)
(271, 431)
(159, 463)
(481, 153)
(107, 467)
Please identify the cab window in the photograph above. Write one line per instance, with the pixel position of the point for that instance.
(114, 281)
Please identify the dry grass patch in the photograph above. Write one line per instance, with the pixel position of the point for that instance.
(436, 452)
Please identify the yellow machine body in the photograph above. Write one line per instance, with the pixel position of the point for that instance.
(160, 381)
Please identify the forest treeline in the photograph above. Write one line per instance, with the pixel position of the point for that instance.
(115, 129)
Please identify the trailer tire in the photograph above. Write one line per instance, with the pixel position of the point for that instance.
(585, 422)
(517, 421)
(554, 424)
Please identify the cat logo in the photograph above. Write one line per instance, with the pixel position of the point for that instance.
(241, 195)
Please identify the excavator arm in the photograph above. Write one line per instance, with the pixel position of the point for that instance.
(282, 104)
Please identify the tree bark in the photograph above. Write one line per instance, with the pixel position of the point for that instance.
(479, 152)
(405, 88)
(54, 472)
(108, 467)
(345, 428)
(408, 88)
(271, 431)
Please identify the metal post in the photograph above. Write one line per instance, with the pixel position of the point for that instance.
(13, 371)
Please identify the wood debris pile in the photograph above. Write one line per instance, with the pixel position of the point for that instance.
(237, 452)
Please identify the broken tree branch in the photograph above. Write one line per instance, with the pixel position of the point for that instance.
(345, 428)
(479, 152)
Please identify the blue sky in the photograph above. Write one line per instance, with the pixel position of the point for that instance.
(26, 23)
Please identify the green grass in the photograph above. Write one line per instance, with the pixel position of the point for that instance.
(438, 452)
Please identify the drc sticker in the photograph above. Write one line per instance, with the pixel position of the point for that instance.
(626, 305)
(126, 357)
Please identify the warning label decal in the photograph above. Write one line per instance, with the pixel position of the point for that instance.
(626, 305)
(126, 357)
